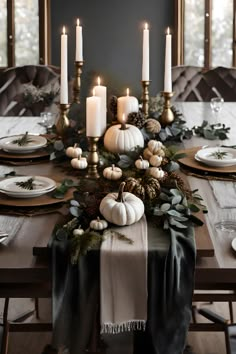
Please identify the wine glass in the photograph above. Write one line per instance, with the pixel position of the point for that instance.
(216, 106)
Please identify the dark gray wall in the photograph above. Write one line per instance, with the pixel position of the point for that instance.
(112, 36)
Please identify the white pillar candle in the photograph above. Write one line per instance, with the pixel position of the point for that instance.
(101, 91)
(145, 67)
(125, 105)
(79, 42)
(168, 78)
(64, 69)
(93, 116)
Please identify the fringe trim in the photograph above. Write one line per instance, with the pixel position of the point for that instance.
(133, 325)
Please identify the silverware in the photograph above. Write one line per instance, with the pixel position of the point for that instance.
(3, 235)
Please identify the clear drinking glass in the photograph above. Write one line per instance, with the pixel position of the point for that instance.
(47, 119)
(226, 225)
(216, 106)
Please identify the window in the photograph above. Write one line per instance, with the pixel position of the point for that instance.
(24, 32)
(205, 33)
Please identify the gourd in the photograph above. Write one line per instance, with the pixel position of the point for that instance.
(112, 173)
(147, 154)
(121, 138)
(79, 163)
(156, 172)
(73, 151)
(122, 208)
(146, 188)
(141, 164)
(98, 224)
(156, 160)
(154, 146)
(152, 126)
(78, 232)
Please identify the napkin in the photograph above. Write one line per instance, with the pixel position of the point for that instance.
(225, 193)
(123, 280)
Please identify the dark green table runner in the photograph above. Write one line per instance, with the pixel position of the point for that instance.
(171, 264)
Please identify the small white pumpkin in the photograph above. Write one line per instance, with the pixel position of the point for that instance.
(147, 154)
(162, 153)
(112, 173)
(98, 224)
(155, 160)
(121, 138)
(78, 232)
(73, 151)
(154, 146)
(156, 172)
(122, 208)
(79, 163)
(141, 164)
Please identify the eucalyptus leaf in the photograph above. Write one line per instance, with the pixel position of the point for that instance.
(177, 223)
(194, 208)
(164, 207)
(75, 211)
(164, 196)
(174, 213)
(125, 161)
(176, 200)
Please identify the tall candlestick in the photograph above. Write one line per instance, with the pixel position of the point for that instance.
(64, 69)
(145, 68)
(168, 78)
(101, 91)
(79, 42)
(125, 105)
(93, 116)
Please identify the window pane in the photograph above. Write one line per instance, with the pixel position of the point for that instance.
(26, 32)
(194, 32)
(222, 31)
(3, 33)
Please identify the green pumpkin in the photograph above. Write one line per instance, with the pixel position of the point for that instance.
(146, 188)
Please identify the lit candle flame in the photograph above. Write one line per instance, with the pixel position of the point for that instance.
(146, 26)
(77, 23)
(168, 30)
(127, 91)
(63, 30)
(99, 81)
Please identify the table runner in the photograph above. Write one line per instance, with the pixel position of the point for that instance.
(123, 286)
(171, 264)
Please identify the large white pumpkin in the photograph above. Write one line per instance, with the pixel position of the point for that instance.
(118, 140)
(121, 208)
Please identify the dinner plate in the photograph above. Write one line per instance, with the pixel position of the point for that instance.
(217, 156)
(42, 185)
(36, 142)
(233, 244)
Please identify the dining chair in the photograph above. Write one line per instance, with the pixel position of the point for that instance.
(27, 90)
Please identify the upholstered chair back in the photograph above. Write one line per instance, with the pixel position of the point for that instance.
(28, 90)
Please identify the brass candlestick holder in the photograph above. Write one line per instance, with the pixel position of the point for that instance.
(77, 81)
(145, 97)
(63, 121)
(93, 158)
(167, 116)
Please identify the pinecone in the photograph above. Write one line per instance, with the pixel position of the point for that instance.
(136, 118)
(173, 180)
(113, 105)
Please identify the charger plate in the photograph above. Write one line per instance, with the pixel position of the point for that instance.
(190, 161)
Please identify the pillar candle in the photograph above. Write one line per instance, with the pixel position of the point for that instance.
(125, 105)
(93, 116)
(79, 43)
(145, 67)
(101, 91)
(64, 69)
(168, 78)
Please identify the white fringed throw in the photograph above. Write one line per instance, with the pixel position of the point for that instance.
(225, 193)
(123, 280)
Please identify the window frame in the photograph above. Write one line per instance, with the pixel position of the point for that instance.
(44, 33)
(178, 57)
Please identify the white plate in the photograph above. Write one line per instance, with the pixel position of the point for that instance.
(37, 142)
(42, 185)
(208, 156)
(233, 244)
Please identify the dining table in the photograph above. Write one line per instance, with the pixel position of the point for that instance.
(25, 264)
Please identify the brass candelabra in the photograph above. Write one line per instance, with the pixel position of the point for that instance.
(145, 97)
(93, 158)
(77, 81)
(63, 121)
(167, 116)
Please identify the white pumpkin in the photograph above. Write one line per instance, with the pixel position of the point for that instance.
(78, 232)
(118, 139)
(79, 163)
(112, 173)
(141, 164)
(155, 160)
(98, 224)
(122, 208)
(73, 151)
(161, 152)
(147, 154)
(156, 172)
(154, 146)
